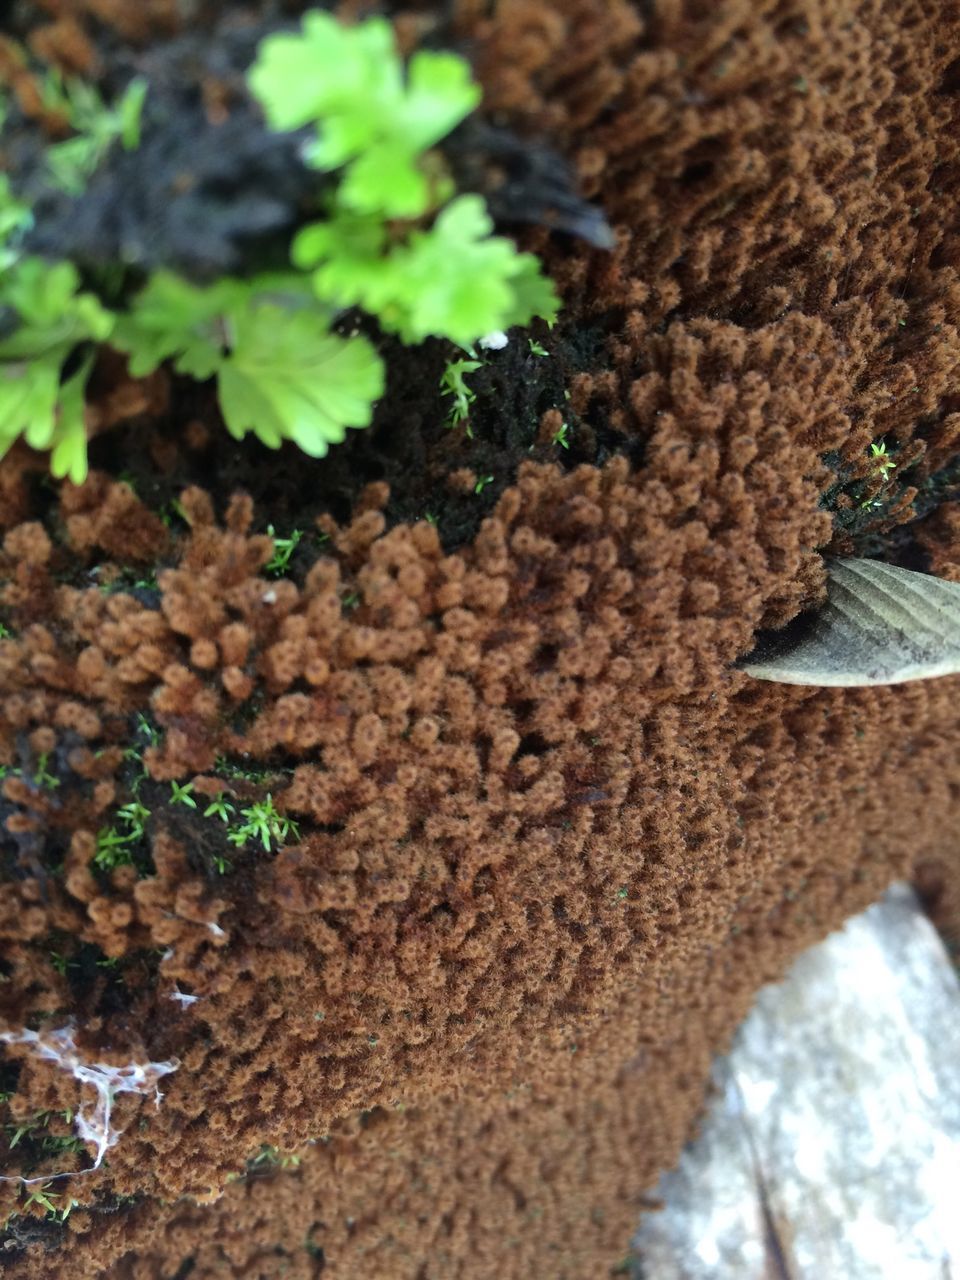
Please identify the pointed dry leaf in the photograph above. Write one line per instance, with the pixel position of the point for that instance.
(880, 625)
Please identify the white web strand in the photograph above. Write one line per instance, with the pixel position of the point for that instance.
(92, 1121)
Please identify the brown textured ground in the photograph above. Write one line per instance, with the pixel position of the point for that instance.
(552, 843)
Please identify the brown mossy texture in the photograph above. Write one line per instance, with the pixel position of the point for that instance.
(551, 842)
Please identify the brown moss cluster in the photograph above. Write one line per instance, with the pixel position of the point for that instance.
(551, 842)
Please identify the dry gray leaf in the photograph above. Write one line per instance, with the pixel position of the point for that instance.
(880, 625)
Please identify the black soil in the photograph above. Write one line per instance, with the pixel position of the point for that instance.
(412, 444)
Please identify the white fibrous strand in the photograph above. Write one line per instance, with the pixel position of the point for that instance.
(92, 1119)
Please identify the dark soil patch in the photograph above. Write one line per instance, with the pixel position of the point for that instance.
(889, 531)
(411, 444)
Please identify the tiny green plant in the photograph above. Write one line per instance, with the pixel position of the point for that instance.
(112, 848)
(884, 464)
(96, 126)
(262, 822)
(42, 777)
(136, 816)
(43, 1197)
(116, 842)
(231, 770)
(182, 794)
(453, 384)
(63, 1213)
(482, 483)
(147, 730)
(127, 581)
(536, 349)
(219, 807)
(38, 777)
(35, 1128)
(269, 1156)
(283, 549)
(561, 436)
(15, 218)
(173, 510)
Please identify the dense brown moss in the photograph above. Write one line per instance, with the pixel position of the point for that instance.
(550, 842)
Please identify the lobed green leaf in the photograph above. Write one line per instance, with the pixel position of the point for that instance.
(289, 378)
(281, 373)
(54, 317)
(370, 120)
(453, 281)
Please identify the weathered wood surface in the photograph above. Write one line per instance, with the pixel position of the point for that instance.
(832, 1148)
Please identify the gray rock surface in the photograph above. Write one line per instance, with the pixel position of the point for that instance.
(831, 1150)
